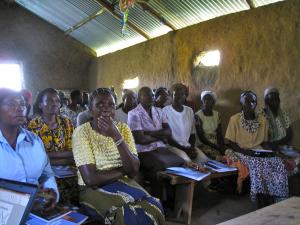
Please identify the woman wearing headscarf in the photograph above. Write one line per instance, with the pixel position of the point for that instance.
(208, 126)
(22, 154)
(280, 131)
(248, 131)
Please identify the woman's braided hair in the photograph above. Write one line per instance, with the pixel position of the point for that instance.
(97, 92)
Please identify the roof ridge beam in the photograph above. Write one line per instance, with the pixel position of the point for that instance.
(251, 4)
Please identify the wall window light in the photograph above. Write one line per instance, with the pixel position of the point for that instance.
(11, 76)
(131, 83)
(209, 58)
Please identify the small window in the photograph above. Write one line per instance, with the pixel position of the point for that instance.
(11, 76)
(131, 83)
(205, 70)
(208, 59)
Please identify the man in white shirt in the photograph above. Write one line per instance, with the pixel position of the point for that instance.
(182, 123)
(129, 102)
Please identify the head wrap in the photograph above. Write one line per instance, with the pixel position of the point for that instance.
(5, 92)
(27, 95)
(245, 93)
(211, 93)
(270, 90)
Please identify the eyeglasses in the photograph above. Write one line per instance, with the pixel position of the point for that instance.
(14, 105)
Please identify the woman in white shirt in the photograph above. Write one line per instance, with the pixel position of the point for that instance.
(181, 121)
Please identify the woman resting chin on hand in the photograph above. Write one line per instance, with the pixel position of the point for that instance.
(105, 154)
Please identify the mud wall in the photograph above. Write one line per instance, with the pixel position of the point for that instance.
(48, 57)
(259, 48)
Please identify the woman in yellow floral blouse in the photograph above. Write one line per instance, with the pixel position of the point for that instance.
(106, 157)
(56, 132)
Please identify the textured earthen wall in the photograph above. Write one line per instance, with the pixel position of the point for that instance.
(259, 48)
(49, 58)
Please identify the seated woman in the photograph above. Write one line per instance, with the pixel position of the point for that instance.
(27, 95)
(22, 154)
(208, 126)
(280, 131)
(246, 132)
(182, 124)
(56, 132)
(106, 157)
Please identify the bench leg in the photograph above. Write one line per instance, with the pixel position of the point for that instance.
(184, 201)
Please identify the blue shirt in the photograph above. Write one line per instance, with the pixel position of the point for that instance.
(28, 162)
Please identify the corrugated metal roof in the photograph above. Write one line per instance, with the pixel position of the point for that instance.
(103, 33)
(258, 3)
(186, 13)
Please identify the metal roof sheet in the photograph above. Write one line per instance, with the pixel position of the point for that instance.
(258, 3)
(103, 33)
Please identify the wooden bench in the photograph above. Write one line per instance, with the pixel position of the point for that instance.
(184, 193)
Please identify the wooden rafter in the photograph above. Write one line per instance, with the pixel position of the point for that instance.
(111, 10)
(251, 4)
(84, 21)
(156, 15)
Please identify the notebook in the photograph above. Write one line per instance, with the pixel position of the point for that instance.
(64, 171)
(50, 216)
(72, 218)
(187, 172)
(16, 199)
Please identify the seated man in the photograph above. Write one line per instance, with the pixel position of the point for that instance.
(22, 154)
(161, 97)
(187, 102)
(182, 123)
(129, 103)
(150, 131)
(74, 108)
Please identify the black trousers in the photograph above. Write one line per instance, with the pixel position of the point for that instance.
(155, 161)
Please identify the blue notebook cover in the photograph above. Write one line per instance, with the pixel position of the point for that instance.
(218, 166)
(72, 218)
(187, 172)
(64, 171)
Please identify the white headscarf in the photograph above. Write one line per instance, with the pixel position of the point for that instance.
(211, 93)
(270, 90)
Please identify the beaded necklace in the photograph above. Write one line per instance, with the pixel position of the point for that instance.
(250, 126)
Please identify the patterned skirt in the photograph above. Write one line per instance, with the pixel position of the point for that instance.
(123, 202)
(267, 176)
(68, 190)
(211, 152)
